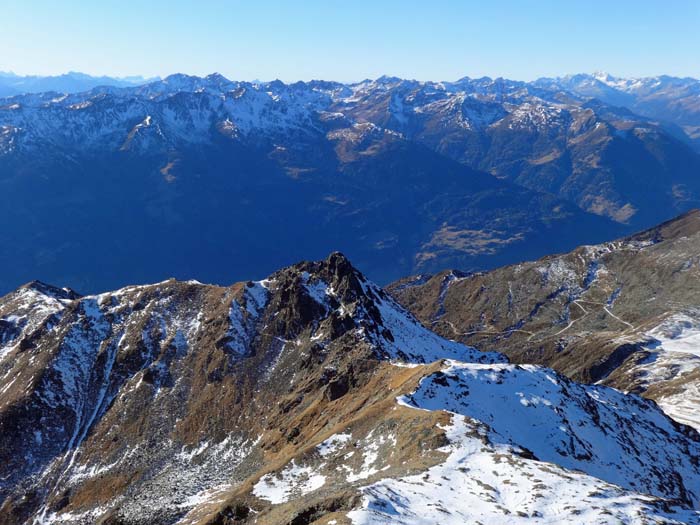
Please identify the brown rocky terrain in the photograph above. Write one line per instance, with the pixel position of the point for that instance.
(308, 397)
(623, 313)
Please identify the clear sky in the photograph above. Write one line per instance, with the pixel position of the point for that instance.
(351, 39)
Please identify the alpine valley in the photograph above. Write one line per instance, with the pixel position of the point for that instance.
(186, 176)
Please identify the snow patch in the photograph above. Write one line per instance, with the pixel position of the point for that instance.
(292, 481)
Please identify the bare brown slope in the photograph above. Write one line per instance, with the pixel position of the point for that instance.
(193, 404)
(133, 399)
(584, 313)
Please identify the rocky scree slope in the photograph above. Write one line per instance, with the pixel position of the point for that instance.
(624, 313)
(308, 397)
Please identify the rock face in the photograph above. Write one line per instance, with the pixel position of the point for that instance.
(180, 174)
(623, 313)
(308, 397)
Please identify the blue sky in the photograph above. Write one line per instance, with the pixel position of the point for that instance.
(351, 39)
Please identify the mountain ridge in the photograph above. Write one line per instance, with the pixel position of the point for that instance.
(188, 165)
(167, 198)
(622, 313)
(307, 397)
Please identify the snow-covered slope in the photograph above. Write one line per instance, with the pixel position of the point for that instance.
(622, 439)
(671, 369)
(28, 309)
(491, 484)
(622, 313)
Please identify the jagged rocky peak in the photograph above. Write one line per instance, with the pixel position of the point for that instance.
(326, 299)
(336, 272)
(332, 284)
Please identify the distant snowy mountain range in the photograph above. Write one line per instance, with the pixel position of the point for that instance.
(667, 98)
(72, 82)
(470, 174)
(671, 99)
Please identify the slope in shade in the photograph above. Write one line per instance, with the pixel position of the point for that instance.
(205, 176)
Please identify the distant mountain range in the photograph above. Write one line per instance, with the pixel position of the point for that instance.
(73, 82)
(218, 179)
(671, 100)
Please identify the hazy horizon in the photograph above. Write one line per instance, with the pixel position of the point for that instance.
(145, 79)
(322, 40)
